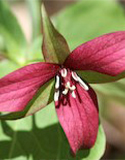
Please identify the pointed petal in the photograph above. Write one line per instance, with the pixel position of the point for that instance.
(105, 54)
(42, 98)
(79, 118)
(55, 48)
(19, 87)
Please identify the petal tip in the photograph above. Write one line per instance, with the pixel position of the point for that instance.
(43, 11)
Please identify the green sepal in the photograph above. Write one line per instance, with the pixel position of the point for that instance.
(55, 48)
(43, 97)
(96, 77)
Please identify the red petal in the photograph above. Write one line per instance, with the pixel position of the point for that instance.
(79, 118)
(105, 54)
(19, 87)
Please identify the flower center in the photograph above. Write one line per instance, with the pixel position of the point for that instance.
(66, 81)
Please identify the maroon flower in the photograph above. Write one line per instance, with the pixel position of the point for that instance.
(75, 101)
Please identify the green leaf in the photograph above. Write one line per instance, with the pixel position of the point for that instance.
(7, 66)
(114, 91)
(34, 52)
(43, 97)
(2, 43)
(96, 77)
(41, 137)
(55, 48)
(10, 30)
(34, 7)
(86, 20)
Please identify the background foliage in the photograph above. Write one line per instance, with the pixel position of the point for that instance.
(40, 136)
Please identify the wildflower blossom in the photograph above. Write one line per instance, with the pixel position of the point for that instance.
(75, 101)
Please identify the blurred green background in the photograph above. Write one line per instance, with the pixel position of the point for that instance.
(40, 136)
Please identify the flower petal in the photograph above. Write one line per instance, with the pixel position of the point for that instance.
(105, 54)
(79, 118)
(19, 87)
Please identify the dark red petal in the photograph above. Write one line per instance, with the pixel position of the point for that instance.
(79, 118)
(19, 87)
(105, 54)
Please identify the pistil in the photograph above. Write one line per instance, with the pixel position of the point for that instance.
(66, 82)
(69, 88)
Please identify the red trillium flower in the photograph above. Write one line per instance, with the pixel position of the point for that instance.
(75, 101)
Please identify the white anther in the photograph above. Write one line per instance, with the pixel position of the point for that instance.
(74, 76)
(83, 84)
(68, 84)
(56, 96)
(64, 72)
(72, 88)
(65, 91)
(77, 78)
(57, 82)
(73, 94)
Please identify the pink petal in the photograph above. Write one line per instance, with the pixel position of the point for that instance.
(19, 87)
(105, 54)
(79, 118)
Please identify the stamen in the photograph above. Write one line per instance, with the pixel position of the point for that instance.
(57, 82)
(77, 78)
(68, 84)
(64, 72)
(72, 88)
(74, 75)
(65, 91)
(56, 96)
(83, 84)
(73, 94)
